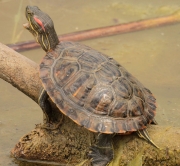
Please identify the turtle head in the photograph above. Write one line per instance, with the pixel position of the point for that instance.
(42, 28)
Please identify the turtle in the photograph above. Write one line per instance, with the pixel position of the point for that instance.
(91, 88)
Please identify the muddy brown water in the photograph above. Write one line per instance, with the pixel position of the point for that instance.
(152, 56)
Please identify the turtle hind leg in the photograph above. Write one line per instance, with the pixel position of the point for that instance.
(102, 153)
(145, 135)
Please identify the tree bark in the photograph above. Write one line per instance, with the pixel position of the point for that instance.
(69, 143)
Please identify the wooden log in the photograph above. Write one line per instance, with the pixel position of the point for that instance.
(20, 72)
(69, 144)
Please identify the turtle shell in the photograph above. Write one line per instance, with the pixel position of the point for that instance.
(95, 91)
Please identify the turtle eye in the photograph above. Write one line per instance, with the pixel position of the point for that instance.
(29, 12)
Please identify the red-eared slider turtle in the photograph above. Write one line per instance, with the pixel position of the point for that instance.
(91, 88)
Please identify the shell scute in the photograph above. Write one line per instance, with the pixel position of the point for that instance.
(64, 70)
(45, 73)
(89, 62)
(47, 61)
(119, 109)
(123, 88)
(100, 100)
(72, 113)
(84, 120)
(135, 107)
(72, 53)
(57, 97)
(101, 124)
(77, 88)
(107, 73)
(138, 92)
(49, 84)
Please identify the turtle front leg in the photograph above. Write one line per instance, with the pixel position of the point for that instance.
(45, 105)
(102, 153)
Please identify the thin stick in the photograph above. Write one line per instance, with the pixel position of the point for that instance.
(106, 31)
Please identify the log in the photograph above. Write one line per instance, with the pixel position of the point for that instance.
(69, 144)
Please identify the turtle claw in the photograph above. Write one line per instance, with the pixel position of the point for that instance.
(97, 157)
(50, 126)
(145, 135)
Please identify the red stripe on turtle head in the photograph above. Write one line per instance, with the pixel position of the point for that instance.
(39, 22)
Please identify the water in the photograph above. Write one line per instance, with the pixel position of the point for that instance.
(153, 56)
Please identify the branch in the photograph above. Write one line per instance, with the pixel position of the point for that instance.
(20, 72)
